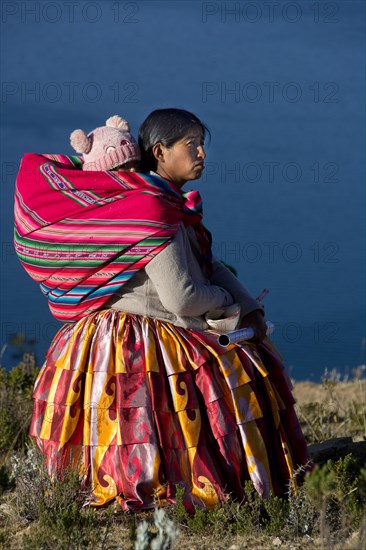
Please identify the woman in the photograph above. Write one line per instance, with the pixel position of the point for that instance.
(155, 401)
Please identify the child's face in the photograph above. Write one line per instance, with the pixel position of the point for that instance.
(131, 166)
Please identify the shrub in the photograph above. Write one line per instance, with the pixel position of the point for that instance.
(160, 536)
(16, 387)
(55, 507)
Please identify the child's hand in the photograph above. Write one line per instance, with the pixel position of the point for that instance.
(256, 320)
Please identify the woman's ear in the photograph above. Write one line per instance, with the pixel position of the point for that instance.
(158, 152)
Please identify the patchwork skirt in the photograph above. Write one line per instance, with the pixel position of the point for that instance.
(145, 406)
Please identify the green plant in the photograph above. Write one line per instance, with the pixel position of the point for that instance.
(16, 387)
(55, 507)
(178, 512)
(229, 517)
(349, 500)
(159, 536)
(331, 502)
(277, 509)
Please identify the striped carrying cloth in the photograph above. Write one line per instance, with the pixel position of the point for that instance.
(82, 235)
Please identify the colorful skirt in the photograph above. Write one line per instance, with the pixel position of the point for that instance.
(144, 406)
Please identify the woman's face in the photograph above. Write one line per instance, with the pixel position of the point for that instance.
(183, 161)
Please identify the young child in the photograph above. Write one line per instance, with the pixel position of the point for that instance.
(110, 147)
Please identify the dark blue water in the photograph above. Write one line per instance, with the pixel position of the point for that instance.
(282, 90)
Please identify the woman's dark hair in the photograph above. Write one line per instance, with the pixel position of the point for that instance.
(165, 126)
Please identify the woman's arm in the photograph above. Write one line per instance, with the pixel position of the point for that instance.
(223, 277)
(252, 312)
(172, 273)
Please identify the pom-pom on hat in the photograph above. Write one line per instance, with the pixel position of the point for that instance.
(106, 147)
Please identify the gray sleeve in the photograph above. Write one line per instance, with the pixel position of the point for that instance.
(225, 278)
(171, 273)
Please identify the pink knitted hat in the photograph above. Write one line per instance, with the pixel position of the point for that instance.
(106, 147)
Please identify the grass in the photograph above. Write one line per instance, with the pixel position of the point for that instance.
(333, 408)
(327, 512)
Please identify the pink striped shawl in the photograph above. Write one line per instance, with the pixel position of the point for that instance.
(82, 235)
